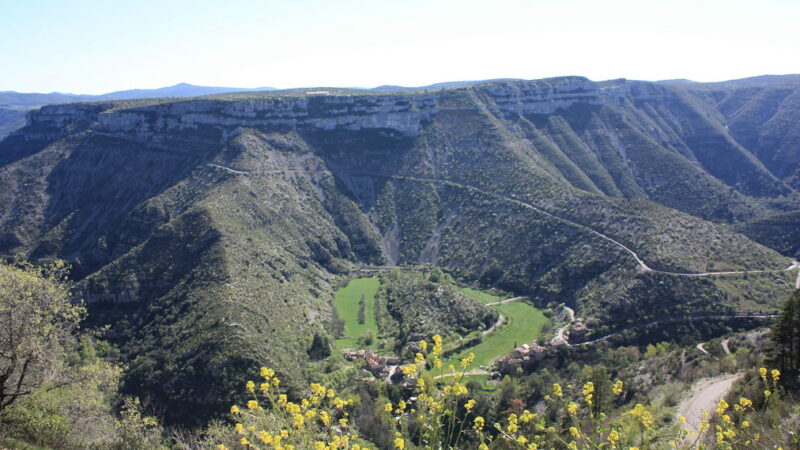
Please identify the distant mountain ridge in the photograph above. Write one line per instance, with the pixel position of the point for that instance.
(14, 105)
(12, 98)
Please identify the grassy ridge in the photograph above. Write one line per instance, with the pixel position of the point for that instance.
(346, 303)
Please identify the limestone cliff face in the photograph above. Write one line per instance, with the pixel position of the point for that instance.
(405, 114)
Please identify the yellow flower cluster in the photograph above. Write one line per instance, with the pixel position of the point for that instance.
(645, 417)
(588, 390)
(442, 412)
(285, 425)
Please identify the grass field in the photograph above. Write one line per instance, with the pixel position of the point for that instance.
(346, 304)
(523, 322)
(523, 325)
(480, 296)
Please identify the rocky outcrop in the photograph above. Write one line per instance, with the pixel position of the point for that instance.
(404, 114)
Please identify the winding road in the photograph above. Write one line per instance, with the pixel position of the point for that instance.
(634, 255)
(508, 300)
(724, 345)
(639, 261)
(559, 335)
(704, 396)
(678, 319)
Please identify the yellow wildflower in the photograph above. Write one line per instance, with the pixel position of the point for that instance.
(745, 424)
(767, 393)
(460, 390)
(244, 441)
(522, 440)
(297, 420)
(239, 428)
(763, 372)
(617, 388)
(252, 404)
(419, 358)
(574, 432)
(613, 438)
(325, 418)
(469, 405)
(423, 345)
(387, 407)
(234, 409)
(533, 446)
(265, 437)
(292, 408)
(409, 369)
(478, 423)
(572, 408)
(222, 447)
(282, 399)
(318, 389)
(776, 374)
(526, 416)
(267, 373)
(745, 402)
(557, 390)
(643, 414)
(722, 406)
(250, 386)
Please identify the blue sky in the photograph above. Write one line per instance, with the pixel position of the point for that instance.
(85, 46)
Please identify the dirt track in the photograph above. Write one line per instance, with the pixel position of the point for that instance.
(704, 396)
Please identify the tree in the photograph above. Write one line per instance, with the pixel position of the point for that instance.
(37, 321)
(786, 336)
(362, 310)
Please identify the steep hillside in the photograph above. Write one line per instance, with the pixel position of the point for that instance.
(209, 232)
(780, 231)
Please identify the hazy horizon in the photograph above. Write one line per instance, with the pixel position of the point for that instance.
(84, 47)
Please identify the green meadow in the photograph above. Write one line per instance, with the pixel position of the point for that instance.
(346, 303)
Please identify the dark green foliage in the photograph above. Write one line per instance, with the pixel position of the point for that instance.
(786, 338)
(780, 231)
(320, 347)
(362, 308)
(411, 308)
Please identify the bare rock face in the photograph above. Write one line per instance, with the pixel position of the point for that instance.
(404, 114)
